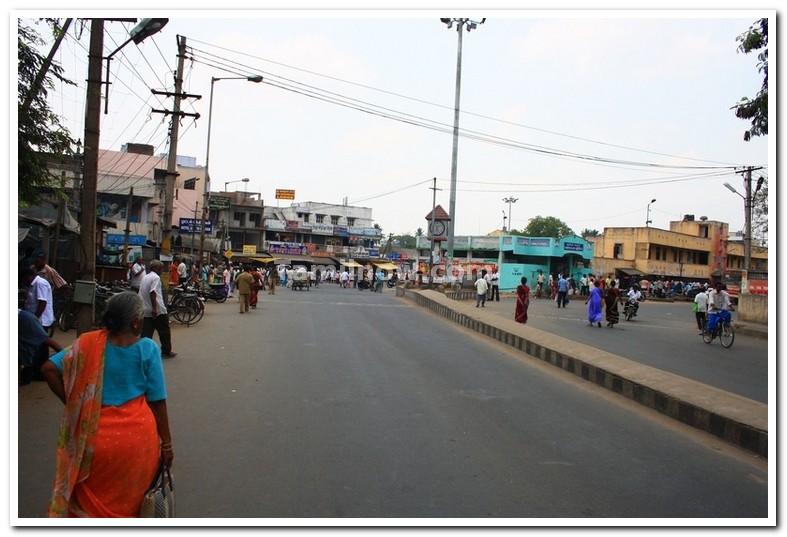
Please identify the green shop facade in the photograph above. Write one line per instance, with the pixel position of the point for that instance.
(530, 256)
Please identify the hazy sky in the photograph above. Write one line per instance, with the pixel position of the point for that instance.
(584, 116)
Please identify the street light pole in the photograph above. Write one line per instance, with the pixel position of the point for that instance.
(470, 25)
(87, 219)
(647, 218)
(206, 185)
(510, 200)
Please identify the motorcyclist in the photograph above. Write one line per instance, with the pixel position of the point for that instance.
(634, 296)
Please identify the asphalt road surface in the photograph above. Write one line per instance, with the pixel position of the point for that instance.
(335, 403)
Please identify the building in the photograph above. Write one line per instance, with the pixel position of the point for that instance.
(691, 250)
(513, 256)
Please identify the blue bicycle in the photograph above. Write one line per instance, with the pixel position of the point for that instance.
(723, 330)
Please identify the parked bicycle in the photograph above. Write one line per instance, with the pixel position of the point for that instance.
(67, 318)
(185, 305)
(723, 330)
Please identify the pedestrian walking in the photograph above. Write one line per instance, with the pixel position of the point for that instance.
(481, 288)
(244, 283)
(522, 301)
(611, 300)
(154, 309)
(594, 304)
(115, 427)
(255, 288)
(562, 291)
(701, 308)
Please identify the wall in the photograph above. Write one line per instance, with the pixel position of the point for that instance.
(753, 309)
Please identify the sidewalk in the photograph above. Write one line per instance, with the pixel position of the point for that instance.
(736, 419)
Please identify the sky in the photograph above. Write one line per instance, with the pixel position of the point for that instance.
(585, 116)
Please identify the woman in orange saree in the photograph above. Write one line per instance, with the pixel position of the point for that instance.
(522, 301)
(115, 427)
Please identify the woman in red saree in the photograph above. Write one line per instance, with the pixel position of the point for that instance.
(115, 427)
(522, 301)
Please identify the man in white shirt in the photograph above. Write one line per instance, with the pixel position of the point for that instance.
(38, 301)
(719, 306)
(701, 309)
(183, 272)
(136, 273)
(481, 287)
(154, 309)
(494, 282)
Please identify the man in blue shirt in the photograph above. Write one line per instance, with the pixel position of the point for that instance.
(32, 338)
(562, 291)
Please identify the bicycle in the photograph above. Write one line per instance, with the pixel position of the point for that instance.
(185, 306)
(723, 330)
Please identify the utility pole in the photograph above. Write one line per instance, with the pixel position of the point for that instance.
(747, 239)
(172, 157)
(128, 225)
(87, 229)
(431, 227)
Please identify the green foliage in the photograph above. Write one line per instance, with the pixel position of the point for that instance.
(40, 132)
(589, 233)
(405, 241)
(755, 110)
(759, 218)
(545, 226)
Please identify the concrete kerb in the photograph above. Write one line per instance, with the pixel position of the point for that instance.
(733, 418)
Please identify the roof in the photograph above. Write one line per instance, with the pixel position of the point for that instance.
(439, 214)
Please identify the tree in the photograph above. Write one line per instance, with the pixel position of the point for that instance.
(41, 135)
(589, 233)
(755, 110)
(759, 217)
(545, 226)
(405, 241)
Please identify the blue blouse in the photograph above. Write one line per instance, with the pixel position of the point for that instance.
(129, 372)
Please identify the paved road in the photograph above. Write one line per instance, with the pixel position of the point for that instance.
(663, 335)
(339, 403)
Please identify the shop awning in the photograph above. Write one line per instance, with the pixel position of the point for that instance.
(630, 271)
(350, 263)
(265, 259)
(385, 265)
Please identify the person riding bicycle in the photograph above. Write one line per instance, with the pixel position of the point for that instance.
(719, 307)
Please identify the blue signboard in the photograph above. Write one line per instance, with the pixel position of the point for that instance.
(120, 238)
(574, 246)
(194, 225)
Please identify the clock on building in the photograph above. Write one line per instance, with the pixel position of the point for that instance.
(437, 228)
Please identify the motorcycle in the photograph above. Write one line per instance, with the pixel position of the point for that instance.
(215, 291)
(365, 284)
(630, 309)
(392, 282)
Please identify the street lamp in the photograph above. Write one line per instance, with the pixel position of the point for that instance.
(510, 200)
(470, 25)
(647, 218)
(206, 185)
(504, 220)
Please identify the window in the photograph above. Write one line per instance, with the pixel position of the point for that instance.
(255, 219)
(319, 218)
(350, 221)
(240, 218)
(617, 252)
(704, 232)
(334, 220)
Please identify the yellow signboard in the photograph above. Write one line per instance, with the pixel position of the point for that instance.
(285, 194)
(249, 249)
(228, 254)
